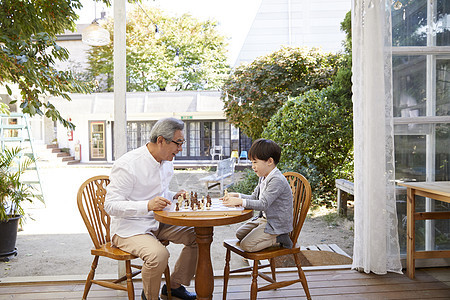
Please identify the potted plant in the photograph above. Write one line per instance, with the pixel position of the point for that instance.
(13, 194)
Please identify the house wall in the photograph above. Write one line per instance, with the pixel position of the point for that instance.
(151, 106)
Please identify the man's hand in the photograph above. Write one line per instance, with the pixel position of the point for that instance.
(157, 203)
(180, 193)
(232, 201)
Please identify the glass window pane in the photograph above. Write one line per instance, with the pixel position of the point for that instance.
(409, 23)
(443, 86)
(194, 138)
(443, 23)
(409, 79)
(131, 136)
(208, 134)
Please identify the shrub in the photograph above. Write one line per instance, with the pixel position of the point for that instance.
(315, 132)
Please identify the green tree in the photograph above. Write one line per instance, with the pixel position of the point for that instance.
(28, 52)
(189, 55)
(316, 130)
(254, 92)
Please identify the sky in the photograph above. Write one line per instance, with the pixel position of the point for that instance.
(234, 16)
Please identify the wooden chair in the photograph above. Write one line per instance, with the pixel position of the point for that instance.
(301, 191)
(90, 200)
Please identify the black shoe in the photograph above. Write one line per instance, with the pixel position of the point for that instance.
(180, 292)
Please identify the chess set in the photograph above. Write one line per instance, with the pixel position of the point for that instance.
(190, 205)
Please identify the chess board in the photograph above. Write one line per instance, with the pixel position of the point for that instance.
(216, 208)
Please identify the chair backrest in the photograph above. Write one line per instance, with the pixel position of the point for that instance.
(301, 191)
(225, 166)
(217, 149)
(90, 200)
(243, 154)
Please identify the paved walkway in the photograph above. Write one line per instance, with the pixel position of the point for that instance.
(56, 242)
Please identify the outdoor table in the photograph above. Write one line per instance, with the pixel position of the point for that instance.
(439, 190)
(203, 225)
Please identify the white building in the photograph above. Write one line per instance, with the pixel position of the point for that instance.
(295, 23)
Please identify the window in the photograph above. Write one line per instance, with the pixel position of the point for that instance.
(97, 141)
(202, 136)
(138, 133)
(421, 87)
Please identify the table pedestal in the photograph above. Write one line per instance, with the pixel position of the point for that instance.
(204, 278)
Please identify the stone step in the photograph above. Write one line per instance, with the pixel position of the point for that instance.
(67, 158)
(62, 154)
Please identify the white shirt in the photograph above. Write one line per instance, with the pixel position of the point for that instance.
(136, 177)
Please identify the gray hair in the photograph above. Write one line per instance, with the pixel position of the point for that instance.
(165, 128)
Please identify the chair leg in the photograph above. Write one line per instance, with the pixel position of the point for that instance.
(91, 274)
(302, 277)
(130, 287)
(254, 286)
(226, 274)
(167, 277)
(272, 269)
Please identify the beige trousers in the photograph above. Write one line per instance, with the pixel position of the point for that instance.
(155, 256)
(252, 236)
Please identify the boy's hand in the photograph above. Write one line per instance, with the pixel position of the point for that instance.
(230, 195)
(232, 201)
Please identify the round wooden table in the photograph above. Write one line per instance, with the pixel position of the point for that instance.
(203, 225)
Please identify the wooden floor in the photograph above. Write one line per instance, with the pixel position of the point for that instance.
(432, 283)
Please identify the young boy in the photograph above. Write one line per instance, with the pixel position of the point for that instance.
(272, 197)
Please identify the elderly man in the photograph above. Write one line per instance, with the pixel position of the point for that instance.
(139, 185)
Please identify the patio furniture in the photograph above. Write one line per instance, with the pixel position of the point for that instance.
(225, 169)
(345, 188)
(436, 190)
(235, 155)
(301, 191)
(243, 155)
(216, 151)
(90, 200)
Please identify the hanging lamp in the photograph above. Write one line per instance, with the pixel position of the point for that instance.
(94, 34)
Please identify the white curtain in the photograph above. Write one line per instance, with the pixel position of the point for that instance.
(376, 247)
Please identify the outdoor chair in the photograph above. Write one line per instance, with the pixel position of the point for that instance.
(301, 191)
(243, 155)
(90, 200)
(216, 151)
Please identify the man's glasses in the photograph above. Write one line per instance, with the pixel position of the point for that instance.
(179, 143)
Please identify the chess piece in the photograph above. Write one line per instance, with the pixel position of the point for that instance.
(225, 193)
(177, 208)
(208, 206)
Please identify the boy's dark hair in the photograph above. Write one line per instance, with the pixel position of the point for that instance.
(264, 149)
